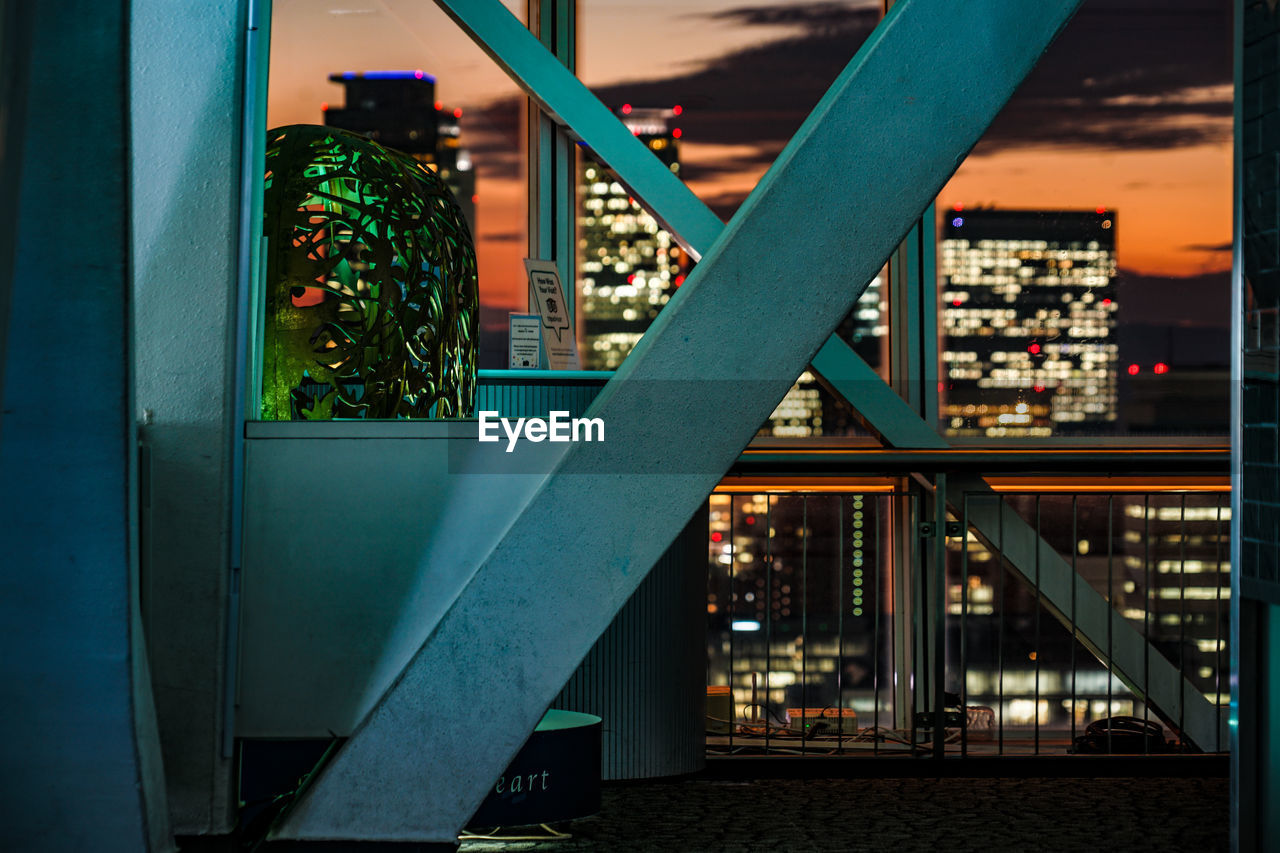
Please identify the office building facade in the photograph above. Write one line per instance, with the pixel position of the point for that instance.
(1028, 315)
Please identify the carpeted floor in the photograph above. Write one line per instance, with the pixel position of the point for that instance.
(1096, 815)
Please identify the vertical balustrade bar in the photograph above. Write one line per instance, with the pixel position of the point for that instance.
(733, 564)
(1000, 573)
(1075, 575)
(1035, 708)
(940, 617)
(876, 604)
(1111, 508)
(915, 593)
(840, 620)
(768, 616)
(1217, 614)
(804, 623)
(1182, 620)
(1146, 615)
(964, 627)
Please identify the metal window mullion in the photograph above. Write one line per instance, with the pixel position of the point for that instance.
(926, 283)
(552, 158)
(247, 348)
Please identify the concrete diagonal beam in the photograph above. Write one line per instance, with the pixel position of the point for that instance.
(564, 97)
(678, 412)
(1141, 668)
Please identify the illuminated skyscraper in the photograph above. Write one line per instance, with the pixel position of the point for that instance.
(399, 110)
(1028, 311)
(629, 266)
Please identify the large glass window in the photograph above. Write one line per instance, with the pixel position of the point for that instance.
(356, 65)
(716, 92)
(1084, 245)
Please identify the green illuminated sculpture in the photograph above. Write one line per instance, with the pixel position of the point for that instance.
(371, 301)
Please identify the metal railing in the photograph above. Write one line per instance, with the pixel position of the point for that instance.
(1159, 559)
(831, 629)
(802, 615)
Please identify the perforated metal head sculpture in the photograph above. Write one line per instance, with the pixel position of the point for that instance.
(371, 299)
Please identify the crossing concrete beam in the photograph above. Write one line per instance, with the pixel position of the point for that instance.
(712, 367)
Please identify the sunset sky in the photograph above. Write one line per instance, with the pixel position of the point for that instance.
(1130, 109)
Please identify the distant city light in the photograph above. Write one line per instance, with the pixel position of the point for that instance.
(418, 74)
(745, 625)
(1161, 367)
(957, 207)
(324, 106)
(626, 109)
(1101, 210)
(677, 109)
(677, 133)
(457, 113)
(958, 221)
(716, 536)
(1133, 369)
(1034, 349)
(439, 105)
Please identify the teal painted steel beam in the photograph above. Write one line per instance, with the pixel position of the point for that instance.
(1102, 630)
(713, 366)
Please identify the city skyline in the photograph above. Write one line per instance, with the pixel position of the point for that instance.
(1106, 119)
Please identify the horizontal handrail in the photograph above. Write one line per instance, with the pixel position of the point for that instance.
(1213, 460)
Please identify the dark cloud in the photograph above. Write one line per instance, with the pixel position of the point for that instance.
(1124, 74)
(1209, 247)
(1127, 74)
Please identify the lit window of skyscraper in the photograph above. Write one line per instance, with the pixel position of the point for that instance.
(1028, 314)
(629, 267)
